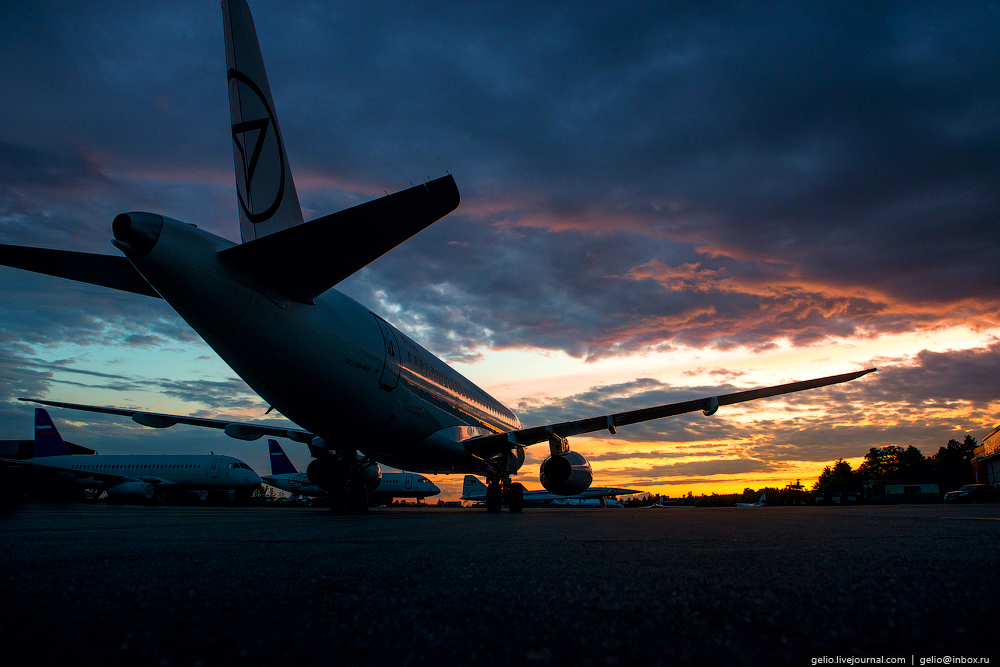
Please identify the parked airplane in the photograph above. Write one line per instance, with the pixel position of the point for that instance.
(138, 476)
(393, 485)
(475, 491)
(347, 378)
(759, 503)
(586, 502)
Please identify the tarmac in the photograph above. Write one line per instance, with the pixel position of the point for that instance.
(89, 584)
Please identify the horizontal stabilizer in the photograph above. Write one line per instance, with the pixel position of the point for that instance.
(105, 270)
(304, 261)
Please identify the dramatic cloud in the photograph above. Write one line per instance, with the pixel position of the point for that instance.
(635, 178)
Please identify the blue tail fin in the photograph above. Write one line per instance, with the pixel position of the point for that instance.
(280, 463)
(48, 442)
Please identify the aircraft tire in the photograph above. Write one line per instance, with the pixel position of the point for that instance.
(358, 502)
(515, 497)
(494, 499)
(339, 500)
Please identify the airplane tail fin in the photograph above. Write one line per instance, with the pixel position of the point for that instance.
(301, 261)
(473, 487)
(264, 187)
(280, 463)
(48, 442)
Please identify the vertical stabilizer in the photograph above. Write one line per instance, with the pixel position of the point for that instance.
(280, 463)
(264, 187)
(48, 442)
(472, 487)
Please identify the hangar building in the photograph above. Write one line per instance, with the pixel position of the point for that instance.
(986, 462)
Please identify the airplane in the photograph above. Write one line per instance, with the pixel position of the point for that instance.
(586, 502)
(349, 381)
(132, 476)
(759, 503)
(475, 491)
(668, 504)
(393, 485)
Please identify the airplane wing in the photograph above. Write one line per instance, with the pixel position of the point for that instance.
(157, 420)
(300, 262)
(491, 445)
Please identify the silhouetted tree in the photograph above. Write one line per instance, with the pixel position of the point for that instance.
(837, 479)
(953, 464)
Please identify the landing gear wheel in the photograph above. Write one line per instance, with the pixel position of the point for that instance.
(494, 497)
(359, 498)
(339, 500)
(515, 497)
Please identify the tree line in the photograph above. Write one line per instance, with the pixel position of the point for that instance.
(950, 468)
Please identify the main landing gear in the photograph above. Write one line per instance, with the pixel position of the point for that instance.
(346, 477)
(501, 491)
(351, 498)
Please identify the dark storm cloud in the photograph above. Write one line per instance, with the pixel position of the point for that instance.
(837, 164)
(632, 175)
(964, 375)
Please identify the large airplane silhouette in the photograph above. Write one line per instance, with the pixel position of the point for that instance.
(348, 379)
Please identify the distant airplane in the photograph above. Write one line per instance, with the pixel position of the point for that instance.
(586, 502)
(759, 503)
(343, 375)
(475, 491)
(138, 476)
(392, 485)
(669, 505)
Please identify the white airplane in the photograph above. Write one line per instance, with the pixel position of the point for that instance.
(393, 485)
(349, 380)
(137, 476)
(760, 503)
(475, 491)
(586, 502)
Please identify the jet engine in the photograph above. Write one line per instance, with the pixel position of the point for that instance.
(132, 489)
(566, 474)
(328, 473)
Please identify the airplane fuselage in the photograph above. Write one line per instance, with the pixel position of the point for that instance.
(393, 485)
(331, 366)
(170, 471)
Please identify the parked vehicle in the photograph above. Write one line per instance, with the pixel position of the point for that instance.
(974, 493)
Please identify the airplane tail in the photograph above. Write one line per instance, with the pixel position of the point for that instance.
(280, 463)
(473, 487)
(48, 442)
(264, 187)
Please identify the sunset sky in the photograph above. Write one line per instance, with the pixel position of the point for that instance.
(659, 202)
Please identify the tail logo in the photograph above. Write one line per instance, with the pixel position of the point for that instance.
(266, 142)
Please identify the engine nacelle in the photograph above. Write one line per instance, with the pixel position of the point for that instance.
(327, 473)
(566, 474)
(132, 490)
